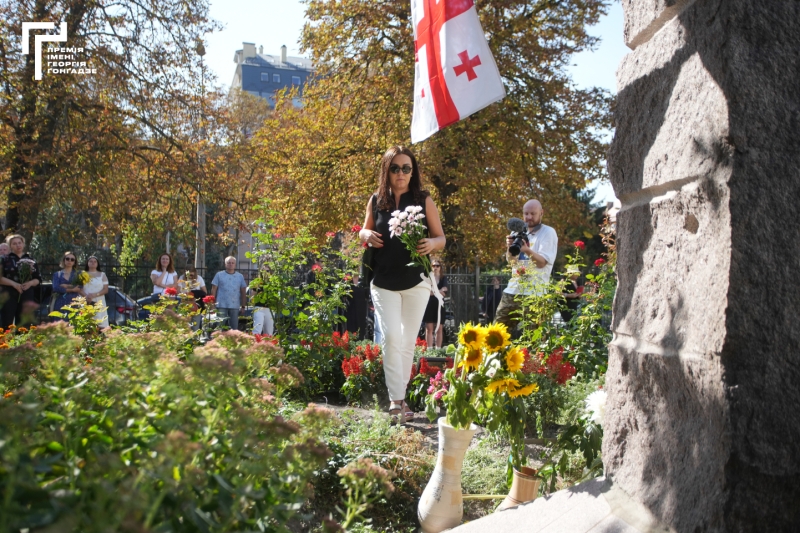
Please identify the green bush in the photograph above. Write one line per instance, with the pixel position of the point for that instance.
(134, 436)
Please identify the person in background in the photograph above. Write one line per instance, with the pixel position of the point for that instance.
(531, 268)
(4, 291)
(435, 311)
(228, 287)
(572, 293)
(95, 290)
(20, 306)
(64, 281)
(355, 309)
(163, 275)
(193, 283)
(492, 299)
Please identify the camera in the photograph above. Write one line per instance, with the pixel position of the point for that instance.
(519, 232)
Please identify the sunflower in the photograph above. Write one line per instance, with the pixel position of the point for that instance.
(472, 358)
(497, 337)
(514, 359)
(524, 391)
(471, 336)
(502, 385)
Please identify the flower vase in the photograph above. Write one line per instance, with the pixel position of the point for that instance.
(524, 488)
(440, 506)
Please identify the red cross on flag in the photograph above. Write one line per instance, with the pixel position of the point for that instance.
(455, 73)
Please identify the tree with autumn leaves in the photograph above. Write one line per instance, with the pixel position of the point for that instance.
(543, 140)
(132, 146)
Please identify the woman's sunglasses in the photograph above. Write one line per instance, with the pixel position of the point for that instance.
(437, 266)
(395, 169)
(72, 259)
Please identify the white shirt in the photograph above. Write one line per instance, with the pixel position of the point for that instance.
(169, 280)
(545, 243)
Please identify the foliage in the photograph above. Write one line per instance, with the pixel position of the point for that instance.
(543, 140)
(584, 341)
(365, 484)
(396, 448)
(364, 376)
(137, 435)
(575, 456)
(427, 379)
(304, 301)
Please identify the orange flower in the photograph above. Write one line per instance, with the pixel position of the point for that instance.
(33, 328)
(89, 360)
(4, 346)
(22, 330)
(8, 394)
(38, 344)
(12, 327)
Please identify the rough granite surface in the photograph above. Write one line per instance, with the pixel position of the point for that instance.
(704, 375)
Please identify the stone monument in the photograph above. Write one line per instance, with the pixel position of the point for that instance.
(703, 419)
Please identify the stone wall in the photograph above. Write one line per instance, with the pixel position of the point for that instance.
(703, 423)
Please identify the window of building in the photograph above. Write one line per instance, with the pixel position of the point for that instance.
(276, 78)
(265, 76)
(295, 80)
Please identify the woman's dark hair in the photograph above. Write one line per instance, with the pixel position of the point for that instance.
(86, 266)
(385, 201)
(170, 266)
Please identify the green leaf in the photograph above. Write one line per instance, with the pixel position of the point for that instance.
(55, 447)
(54, 416)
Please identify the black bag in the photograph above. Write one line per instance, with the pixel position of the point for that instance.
(367, 269)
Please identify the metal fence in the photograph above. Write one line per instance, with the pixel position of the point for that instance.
(467, 288)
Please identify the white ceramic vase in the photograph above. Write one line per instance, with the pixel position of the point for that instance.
(441, 506)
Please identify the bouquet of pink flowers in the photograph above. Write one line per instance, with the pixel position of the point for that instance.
(408, 227)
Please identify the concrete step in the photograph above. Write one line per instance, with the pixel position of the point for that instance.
(595, 506)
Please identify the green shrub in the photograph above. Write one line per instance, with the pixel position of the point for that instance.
(137, 436)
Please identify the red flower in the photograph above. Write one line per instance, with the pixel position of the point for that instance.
(171, 291)
(276, 235)
(449, 363)
(330, 234)
(580, 244)
(352, 365)
(599, 262)
(316, 268)
(348, 277)
(209, 299)
(421, 343)
(521, 271)
(339, 340)
(305, 344)
(356, 228)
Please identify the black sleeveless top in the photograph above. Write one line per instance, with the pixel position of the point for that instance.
(391, 272)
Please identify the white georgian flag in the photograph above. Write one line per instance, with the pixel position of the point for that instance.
(455, 72)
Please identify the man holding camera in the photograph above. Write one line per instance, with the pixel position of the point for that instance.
(532, 251)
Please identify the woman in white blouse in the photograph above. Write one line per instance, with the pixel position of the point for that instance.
(164, 275)
(96, 288)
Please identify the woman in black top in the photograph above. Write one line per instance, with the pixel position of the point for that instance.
(433, 312)
(20, 304)
(399, 292)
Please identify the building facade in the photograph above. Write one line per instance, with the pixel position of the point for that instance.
(263, 75)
